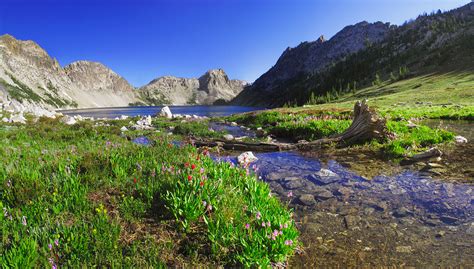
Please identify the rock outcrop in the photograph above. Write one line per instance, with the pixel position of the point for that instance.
(214, 86)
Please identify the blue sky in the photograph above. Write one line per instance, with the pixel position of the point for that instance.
(145, 39)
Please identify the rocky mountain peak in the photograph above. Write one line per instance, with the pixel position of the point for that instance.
(321, 39)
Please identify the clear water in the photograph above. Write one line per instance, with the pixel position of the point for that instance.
(208, 111)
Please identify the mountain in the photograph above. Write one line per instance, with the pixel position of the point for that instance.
(212, 87)
(100, 86)
(29, 74)
(363, 54)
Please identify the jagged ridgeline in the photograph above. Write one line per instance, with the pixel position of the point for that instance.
(29, 75)
(364, 55)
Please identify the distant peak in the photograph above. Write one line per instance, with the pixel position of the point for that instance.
(321, 39)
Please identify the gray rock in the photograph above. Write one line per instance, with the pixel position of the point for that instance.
(123, 129)
(166, 112)
(324, 177)
(351, 221)
(246, 158)
(293, 184)
(324, 195)
(68, 120)
(228, 137)
(307, 199)
(18, 118)
(460, 139)
(470, 229)
(402, 212)
(404, 249)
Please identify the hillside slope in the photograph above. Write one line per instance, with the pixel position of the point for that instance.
(437, 43)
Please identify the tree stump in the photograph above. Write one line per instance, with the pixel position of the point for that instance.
(366, 125)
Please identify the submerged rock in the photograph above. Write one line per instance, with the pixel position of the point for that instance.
(307, 199)
(324, 177)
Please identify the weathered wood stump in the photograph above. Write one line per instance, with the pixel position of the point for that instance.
(367, 125)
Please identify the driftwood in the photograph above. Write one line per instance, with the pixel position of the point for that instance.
(243, 146)
(366, 126)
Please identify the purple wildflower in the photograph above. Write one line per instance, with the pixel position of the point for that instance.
(258, 215)
(50, 247)
(263, 224)
(288, 242)
(247, 226)
(290, 194)
(56, 242)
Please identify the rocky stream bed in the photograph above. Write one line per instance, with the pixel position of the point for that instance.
(354, 210)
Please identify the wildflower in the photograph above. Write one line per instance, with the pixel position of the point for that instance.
(190, 177)
(201, 183)
(135, 180)
(280, 232)
(290, 194)
(204, 203)
(50, 247)
(209, 207)
(285, 225)
(9, 183)
(258, 215)
(273, 237)
(153, 173)
(201, 170)
(288, 242)
(193, 166)
(263, 224)
(23, 220)
(56, 242)
(268, 223)
(186, 164)
(247, 226)
(275, 232)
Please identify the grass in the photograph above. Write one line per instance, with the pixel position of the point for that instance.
(84, 195)
(301, 123)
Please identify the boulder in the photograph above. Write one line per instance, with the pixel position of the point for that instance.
(18, 118)
(123, 129)
(228, 137)
(68, 120)
(144, 121)
(246, 158)
(460, 139)
(166, 112)
(307, 199)
(324, 177)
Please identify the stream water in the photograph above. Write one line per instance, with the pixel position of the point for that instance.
(402, 218)
(397, 218)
